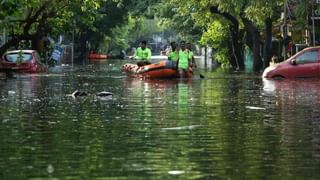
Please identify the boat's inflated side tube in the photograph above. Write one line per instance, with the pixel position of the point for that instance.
(162, 69)
(160, 65)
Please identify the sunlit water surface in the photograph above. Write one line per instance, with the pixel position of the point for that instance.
(225, 126)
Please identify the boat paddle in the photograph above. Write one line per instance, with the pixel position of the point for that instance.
(201, 76)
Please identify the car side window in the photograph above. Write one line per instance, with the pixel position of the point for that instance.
(308, 57)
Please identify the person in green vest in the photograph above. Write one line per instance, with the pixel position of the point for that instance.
(184, 60)
(173, 54)
(191, 55)
(142, 54)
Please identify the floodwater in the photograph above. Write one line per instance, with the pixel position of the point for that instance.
(225, 126)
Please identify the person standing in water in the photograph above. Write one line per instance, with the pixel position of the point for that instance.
(191, 56)
(183, 61)
(143, 54)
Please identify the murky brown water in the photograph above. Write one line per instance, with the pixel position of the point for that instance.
(226, 126)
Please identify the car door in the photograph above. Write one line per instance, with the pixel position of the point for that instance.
(307, 65)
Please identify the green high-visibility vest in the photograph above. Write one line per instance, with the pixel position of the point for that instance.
(183, 59)
(143, 54)
(173, 55)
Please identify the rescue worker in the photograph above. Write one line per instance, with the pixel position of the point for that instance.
(191, 56)
(142, 54)
(184, 60)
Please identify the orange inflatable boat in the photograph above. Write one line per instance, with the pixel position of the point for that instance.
(93, 56)
(162, 69)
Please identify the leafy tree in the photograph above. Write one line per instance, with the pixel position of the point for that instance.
(217, 36)
(227, 25)
(131, 33)
(32, 20)
(250, 14)
(243, 19)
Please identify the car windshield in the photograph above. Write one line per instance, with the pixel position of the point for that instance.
(308, 57)
(18, 57)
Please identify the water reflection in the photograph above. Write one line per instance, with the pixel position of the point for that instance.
(304, 90)
(222, 127)
(295, 115)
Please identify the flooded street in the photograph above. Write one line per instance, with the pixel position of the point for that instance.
(225, 126)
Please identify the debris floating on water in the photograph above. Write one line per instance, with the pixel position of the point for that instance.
(78, 93)
(104, 94)
(180, 128)
(255, 108)
(50, 169)
(175, 172)
(11, 92)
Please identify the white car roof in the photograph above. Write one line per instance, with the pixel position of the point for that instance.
(18, 51)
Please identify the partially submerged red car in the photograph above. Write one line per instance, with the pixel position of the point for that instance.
(304, 64)
(22, 61)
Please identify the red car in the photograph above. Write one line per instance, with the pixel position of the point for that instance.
(304, 64)
(22, 61)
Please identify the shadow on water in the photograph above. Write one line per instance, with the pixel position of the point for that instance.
(226, 126)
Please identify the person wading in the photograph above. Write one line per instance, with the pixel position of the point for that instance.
(191, 56)
(184, 60)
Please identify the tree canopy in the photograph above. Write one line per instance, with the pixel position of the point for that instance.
(226, 25)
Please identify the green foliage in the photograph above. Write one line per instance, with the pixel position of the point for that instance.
(214, 29)
(216, 33)
(115, 24)
(119, 38)
(303, 10)
(122, 36)
(217, 37)
(178, 15)
(53, 15)
(223, 56)
(258, 11)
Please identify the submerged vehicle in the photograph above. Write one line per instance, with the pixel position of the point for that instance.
(23, 61)
(162, 69)
(304, 64)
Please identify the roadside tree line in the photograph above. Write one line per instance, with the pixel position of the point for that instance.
(229, 26)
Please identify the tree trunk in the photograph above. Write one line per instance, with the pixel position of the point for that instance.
(236, 61)
(253, 31)
(31, 19)
(205, 56)
(14, 42)
(237, 49)
(83, 47)
(38, 44)
(267, 42)
(6, 46)
(257, 61)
